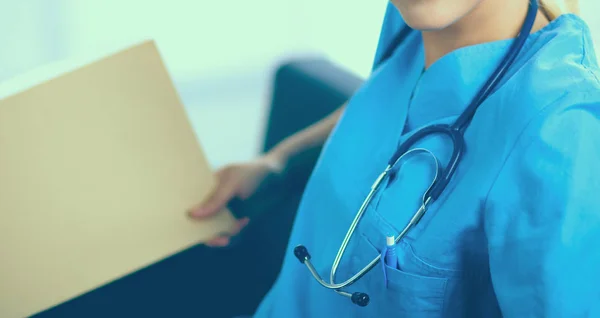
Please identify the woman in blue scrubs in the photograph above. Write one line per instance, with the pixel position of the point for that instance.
(515, 234)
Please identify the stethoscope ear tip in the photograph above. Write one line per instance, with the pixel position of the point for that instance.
(301, 253)
(360, 299)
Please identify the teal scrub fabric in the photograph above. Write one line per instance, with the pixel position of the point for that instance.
(517, 231)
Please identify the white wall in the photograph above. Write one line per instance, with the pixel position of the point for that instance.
(590, 12)
(194, 36)
(30, 35)
(199, 37)
(220, 53)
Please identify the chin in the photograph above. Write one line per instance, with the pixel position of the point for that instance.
(431, 15)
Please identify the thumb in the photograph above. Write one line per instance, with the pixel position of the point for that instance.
(215, 201)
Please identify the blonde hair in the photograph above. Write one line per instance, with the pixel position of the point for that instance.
(554, 8)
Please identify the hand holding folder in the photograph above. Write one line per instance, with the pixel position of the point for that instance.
(97, 169)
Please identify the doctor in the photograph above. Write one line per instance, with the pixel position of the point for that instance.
(516, 230)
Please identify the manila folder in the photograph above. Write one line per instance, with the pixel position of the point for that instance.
(97, 169)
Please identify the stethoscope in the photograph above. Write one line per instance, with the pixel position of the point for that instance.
(442, 176)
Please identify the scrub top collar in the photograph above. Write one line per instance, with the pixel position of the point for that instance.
(447, 87)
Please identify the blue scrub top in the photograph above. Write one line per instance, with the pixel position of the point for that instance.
(516, 233)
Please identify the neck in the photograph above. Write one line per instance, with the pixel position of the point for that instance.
(490, 20)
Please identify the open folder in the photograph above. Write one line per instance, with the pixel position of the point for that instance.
(97, 169)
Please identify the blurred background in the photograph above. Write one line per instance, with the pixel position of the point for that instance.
(221, 54)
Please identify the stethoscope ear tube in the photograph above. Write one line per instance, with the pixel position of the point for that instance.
(446, 174)
(454, 131)
(301, 254)
(358, 298)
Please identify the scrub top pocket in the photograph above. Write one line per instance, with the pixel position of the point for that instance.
(405, 294)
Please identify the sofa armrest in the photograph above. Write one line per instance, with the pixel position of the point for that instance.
(303, 92)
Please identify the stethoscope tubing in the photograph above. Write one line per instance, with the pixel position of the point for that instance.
(442, 178)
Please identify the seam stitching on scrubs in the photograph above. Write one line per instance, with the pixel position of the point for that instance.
(583, 51)
(515, 145)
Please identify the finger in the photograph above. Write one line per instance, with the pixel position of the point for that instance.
(236, 228)
(215, 202)
(222, 182)
(239, 225)
(242, 223)
(225, 239)
(221, 241)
